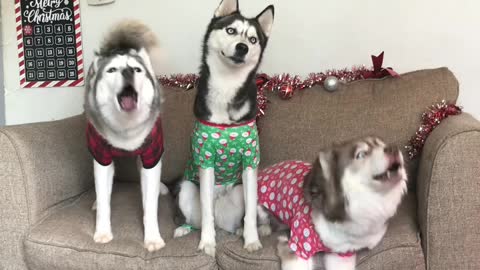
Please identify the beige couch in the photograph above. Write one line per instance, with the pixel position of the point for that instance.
(46, 183)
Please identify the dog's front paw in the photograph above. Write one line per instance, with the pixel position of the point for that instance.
(181, 231)
(154, 244)
(250, 235)
(251, 247)
(102, 237)
(208, 247)
(265, 230)
(163, 189)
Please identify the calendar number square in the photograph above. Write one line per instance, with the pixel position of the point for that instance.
(41, 74)
(51, 74)
(58, 29)
(72, 74)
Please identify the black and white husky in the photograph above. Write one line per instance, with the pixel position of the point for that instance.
(122, 103)
(232, 50)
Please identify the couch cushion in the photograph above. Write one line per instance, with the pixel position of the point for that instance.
(400, 249)
(390, 108)
(64, 240)
(178, 125)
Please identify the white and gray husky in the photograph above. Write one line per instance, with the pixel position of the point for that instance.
(122, 104)
(232, 51)
(338, 205)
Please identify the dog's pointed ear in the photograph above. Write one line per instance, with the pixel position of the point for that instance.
(92, 72)
(144, 55)
(265, 19)
(323, 187)
(226, 8)
(94, 66)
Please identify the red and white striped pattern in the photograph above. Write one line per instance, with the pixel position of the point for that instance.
(21, 54)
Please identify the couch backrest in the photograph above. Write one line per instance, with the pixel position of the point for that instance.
(314, 118)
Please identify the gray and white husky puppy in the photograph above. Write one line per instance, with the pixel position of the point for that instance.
(226, 96)
(342, 204)
(122, 104)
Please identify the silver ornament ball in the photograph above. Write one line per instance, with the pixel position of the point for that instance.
(331, 83)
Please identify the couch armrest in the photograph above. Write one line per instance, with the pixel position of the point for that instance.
(448, 190)
(41, 165)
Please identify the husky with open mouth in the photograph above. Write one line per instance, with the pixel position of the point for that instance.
(225, 147)
(122, 104)
(338, 205)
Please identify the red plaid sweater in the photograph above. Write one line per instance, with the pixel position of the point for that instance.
(150, 152)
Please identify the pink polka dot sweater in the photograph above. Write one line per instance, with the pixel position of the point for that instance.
(281, 192)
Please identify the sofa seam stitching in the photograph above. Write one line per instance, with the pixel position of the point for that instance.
(224, 247)
(366, 258)
(104, 253)
(57, 208)
(27, 200)
(20, 161)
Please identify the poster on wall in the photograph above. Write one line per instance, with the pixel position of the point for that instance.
(49, 43)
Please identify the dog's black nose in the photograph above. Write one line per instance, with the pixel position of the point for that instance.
(127, 73)
(241, 49)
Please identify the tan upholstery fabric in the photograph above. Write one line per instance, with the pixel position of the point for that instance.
(64, 240)
(55, 164)
(44, 167)
(314, 118)
(178, 125)
(41, 165)
(400, 248)
(14, 219)
(448, 194)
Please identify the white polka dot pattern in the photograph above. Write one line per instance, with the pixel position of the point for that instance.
(281, 192)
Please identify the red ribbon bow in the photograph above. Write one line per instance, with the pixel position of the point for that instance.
(378, 71)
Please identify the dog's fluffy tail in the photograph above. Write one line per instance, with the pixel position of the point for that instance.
(132, 34)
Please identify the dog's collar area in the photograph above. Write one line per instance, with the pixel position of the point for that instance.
(211, 124)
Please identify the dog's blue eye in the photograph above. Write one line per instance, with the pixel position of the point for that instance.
(137, 69)
(111, 70)
(361, 155)
(231, 31)
(253, 40)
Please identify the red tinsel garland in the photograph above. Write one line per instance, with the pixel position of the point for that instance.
(286, 85)
(430, 120)
(184, 81)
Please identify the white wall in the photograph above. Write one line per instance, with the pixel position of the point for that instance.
(308, 36)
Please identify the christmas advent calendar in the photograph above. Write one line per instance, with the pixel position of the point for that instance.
(49, 43)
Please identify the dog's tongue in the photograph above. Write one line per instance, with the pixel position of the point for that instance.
(128, 103)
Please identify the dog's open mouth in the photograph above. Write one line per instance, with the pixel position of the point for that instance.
(393, 170)
(128, 99)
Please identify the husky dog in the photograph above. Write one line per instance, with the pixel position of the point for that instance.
(122, 104)
(338, 205)
(225, 140)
